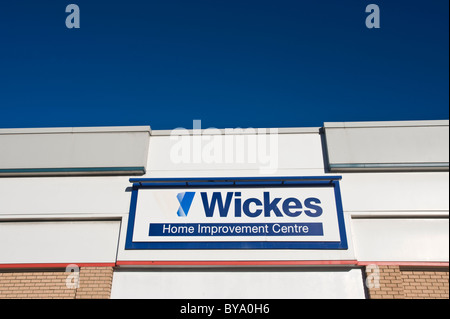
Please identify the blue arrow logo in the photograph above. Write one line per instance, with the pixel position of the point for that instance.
(185, 200)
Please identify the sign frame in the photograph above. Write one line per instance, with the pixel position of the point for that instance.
(237, 182)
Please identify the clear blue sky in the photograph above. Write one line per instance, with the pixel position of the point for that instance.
(230, 63)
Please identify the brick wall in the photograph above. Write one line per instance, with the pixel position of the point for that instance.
(425, 283)
(94, 282)
(46, 284)
(396, 282)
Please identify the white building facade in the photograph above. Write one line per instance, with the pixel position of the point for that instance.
(347, 210)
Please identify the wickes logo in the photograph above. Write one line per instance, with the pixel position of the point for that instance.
(185, 200)
(251, 207)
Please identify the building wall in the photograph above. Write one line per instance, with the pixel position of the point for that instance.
(387, 282)
(396, 215)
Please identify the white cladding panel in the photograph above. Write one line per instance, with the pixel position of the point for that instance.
(239, 284)
(70, 148)
(60, 196)
(236, 155)
(58, 242)
(388, 143)
(401, 239)
(395, 192)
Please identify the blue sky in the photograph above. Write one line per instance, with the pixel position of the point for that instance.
(246, 63)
